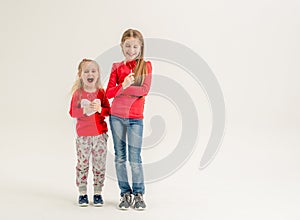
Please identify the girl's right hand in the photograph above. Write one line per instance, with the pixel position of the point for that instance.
(87, 109)
(128, 81)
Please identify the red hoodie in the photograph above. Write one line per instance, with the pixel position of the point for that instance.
(127, 103)
(94, 124)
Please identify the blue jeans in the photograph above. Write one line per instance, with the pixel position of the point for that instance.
(133, 129)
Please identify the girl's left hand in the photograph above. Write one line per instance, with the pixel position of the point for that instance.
(96, 107)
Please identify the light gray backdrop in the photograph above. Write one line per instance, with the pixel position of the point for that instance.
(252, 47)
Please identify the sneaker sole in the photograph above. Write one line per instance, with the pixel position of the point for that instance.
(83, 205)
(139, 208)
(123, 208)
(98, 205)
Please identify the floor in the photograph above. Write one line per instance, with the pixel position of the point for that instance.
(252, 177)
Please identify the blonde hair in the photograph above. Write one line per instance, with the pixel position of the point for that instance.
(78, 84)
(140, 69)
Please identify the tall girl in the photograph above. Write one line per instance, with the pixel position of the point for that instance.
(129, 83)
(90, 106)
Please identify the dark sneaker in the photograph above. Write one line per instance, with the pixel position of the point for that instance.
(138, 202)
(98, 201)
(125, 201)
(83, 200)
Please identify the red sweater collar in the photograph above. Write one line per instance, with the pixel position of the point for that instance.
(131, 64)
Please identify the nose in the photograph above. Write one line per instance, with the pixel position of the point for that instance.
(131, 50)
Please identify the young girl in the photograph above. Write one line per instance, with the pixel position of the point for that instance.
(89, 106)
(129, 83)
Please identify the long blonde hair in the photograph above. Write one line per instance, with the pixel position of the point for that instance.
(140, 69)
(78, 84)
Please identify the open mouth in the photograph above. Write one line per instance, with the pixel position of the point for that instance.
(90, 80)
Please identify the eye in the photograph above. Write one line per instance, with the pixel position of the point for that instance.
(93, 71)
(86, 71)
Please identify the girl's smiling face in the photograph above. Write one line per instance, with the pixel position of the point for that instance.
(131, 48)
(89, 75)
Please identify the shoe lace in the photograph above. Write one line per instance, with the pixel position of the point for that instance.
(126, 197)
(83, 198)
(138, 198)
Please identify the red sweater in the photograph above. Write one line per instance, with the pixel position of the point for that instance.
(94, 124)
(127, 103)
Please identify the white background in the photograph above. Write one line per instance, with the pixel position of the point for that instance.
(251, 46)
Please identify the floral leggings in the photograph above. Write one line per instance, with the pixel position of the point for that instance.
(85, 146)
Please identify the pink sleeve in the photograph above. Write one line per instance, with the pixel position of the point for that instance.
(105, 105)
(75, 110)
(112, 88)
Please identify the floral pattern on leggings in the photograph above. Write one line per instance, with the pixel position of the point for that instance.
(97, 147)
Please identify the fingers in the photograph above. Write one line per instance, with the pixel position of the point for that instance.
(128, 81)
(87, 109)
(95, 106)
(131, 78)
